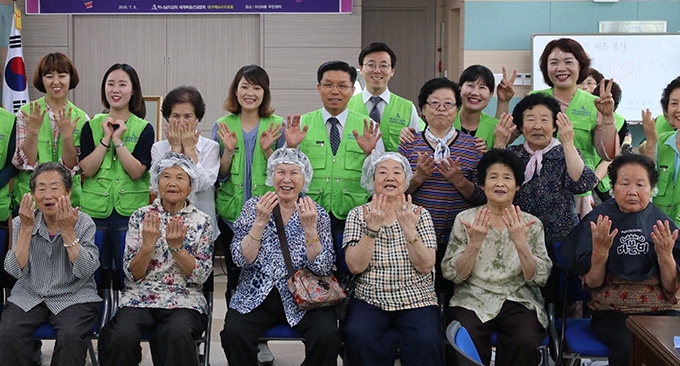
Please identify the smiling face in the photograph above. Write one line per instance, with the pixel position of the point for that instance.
(440, 110)
(56, 84)
(632, 189)
(538, 126)
(389, 178)
(673, 110)
(475, 95)
(377, 71)
(174, 185)
(335, 89)
(288, 182)
(563, 69)
(118, 89)
(249, 95)
(500, 185)
(49, 186)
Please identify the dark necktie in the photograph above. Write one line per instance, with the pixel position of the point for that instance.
(335, 134)
(375, 112)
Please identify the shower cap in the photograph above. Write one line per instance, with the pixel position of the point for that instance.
(169, 160)
(371, 162)
(290, 156)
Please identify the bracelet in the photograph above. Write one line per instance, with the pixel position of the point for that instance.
(370, 233)
(77, 241)
(315, 240)
(119, 145)
(412, 242)
(175, 250)
(254, 238)
(103, 144)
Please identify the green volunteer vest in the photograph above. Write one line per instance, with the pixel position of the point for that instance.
(50, 151)
(485, 129)
(668, 197)
(112, 187)
(395, 116)
(6, 124)
(230, 195)
(605, 184)
(662, 125)
(336, 182)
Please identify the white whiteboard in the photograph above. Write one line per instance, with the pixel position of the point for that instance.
(641, 63)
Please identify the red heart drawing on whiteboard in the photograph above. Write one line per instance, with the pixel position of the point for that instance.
(620, 71)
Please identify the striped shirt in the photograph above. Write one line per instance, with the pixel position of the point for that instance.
(49, 276)
(436, 194)
(390, 281)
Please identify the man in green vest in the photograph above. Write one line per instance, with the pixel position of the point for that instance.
(377, 65)
(336, 140)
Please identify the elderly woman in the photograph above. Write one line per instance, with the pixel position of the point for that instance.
(262, 298)
(390, 246)
(168, 257)
(444, 162)
(498, 260)
(626, 252)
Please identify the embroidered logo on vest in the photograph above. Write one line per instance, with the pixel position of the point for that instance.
(582, 112)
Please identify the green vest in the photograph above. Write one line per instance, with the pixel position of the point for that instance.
(605, 184)
(50, 151)
(485, 129)
(668, 197)
(395, 116)
(111, 187)
(662, 125)
(230, 195)
(6, 124)
(336, 182)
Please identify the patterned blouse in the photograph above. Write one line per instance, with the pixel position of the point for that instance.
(497, 275)
(165, 286)
(268, 269)
(390, 281)
(550, 195)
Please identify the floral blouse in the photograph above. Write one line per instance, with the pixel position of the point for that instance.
(268, 269)
(165, 286)
(497, 275)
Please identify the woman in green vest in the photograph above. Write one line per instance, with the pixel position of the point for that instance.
(115, 156)
(247, 137)
(563, 64)
(48, 129)
(664, 148)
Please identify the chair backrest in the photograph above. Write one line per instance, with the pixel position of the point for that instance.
(459, 339)
(570, 288)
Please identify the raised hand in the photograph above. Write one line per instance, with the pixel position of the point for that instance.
(451, 170)
(174, 135)
(119, 131)
(264, 207)
(649, 125)
(518, 228)
(65, 123)
(294, 135)
(34, 119)
(67, 216)
(425, 165)
(408, 218)
(664, 239)
(370, 138)
(308, 215)
(476, 232)
(151, 229)
(227, 136)
(175, 232)
(504, 130)
(376, 216)
(601, 236)
(27, 211)
(605, 102)
(190, 137)
(407, 135)
(480, 145)
(107, 127)
(505, 90)
(270, 135)
(566, 129)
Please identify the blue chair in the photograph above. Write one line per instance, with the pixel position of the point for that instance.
(574, 335)
(459, 339)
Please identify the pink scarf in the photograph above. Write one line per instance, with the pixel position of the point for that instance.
(535, 164)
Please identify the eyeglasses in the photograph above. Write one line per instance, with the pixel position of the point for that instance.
(341, 87)
(447, 105)
(371, 66)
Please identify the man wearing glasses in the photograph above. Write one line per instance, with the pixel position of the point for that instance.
(377, 65)
(336, 140)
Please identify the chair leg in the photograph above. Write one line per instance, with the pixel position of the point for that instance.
(264, 355)
(93, 355)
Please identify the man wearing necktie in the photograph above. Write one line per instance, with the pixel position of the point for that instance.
(377, 65)
(336, 140)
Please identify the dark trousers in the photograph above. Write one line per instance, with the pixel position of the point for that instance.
(372, 335)
(518, 334)
(111, 226)
(73, 326)
(609, 327)
(318, 327)
(172, 336)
